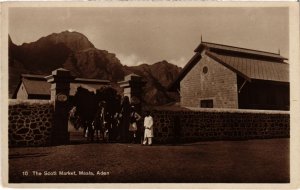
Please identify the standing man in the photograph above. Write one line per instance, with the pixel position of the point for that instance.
(148, 124)
(134, 118)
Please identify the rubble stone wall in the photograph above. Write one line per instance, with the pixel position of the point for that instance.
(184, 126)
(30, 122)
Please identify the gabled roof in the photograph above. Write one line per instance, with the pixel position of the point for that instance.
(247, 63)
(34, 85)
(38, 85)
(254, 68)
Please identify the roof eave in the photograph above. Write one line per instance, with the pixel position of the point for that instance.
(200, 47)
(207, 45)
(184, 71)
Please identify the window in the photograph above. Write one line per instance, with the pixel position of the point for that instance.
(205, 70)
(206, 104)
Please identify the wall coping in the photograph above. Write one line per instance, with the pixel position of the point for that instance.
(220, 110)
(227, 110)
(29, 102)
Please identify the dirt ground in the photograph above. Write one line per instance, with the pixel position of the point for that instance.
(259, 161)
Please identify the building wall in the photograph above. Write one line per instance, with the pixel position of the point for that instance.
(213, 124)
(218, 84)
(30, 122)
(266, 95)
(22, 94)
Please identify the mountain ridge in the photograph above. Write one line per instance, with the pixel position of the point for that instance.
(74, 51)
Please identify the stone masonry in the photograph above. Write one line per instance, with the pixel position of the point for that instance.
(30, 122)
(218, 83)
(184, 126)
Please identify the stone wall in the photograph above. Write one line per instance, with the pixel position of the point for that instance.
(218, 84)
(213, 124)
(30, 122)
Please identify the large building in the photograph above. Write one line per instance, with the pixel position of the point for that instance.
(221, 76)
(37, 87)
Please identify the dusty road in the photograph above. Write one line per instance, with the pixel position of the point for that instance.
(203, 162)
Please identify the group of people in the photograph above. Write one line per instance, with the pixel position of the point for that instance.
(124, 125)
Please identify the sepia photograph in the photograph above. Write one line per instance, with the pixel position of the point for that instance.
(149, 94)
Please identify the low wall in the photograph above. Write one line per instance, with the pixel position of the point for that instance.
(30, 122)
(213, 124)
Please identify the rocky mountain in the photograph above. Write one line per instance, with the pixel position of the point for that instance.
(73, 51)
(158, 77)
(94, 63)
(49, 52)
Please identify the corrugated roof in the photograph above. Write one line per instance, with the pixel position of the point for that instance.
(238, 50)
(250, 64)
(255, 68)
(41, 87)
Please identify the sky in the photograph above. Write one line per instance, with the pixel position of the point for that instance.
(149, 35)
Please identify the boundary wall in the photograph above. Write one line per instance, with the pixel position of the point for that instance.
(30, 122)
(219, 124)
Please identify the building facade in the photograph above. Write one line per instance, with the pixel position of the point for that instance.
(206, 82)
(220, 76)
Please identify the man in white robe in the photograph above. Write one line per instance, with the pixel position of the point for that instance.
(148, 124)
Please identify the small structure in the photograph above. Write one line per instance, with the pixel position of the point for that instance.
(133, 87)
(37, 87)
(221, 76)
(32, 87)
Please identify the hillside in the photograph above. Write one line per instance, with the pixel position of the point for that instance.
(158, 77)
(73, 51)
